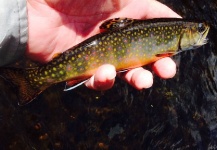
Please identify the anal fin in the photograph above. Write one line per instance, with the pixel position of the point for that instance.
(70, 85)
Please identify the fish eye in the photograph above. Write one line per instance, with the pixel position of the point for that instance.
(201, 27)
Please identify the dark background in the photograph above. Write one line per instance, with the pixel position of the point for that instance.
(179, 113)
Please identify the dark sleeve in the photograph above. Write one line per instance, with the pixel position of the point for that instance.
(13, 30)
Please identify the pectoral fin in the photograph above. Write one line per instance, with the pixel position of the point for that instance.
(166, 53)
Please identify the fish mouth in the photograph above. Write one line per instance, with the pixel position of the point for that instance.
(203, 37)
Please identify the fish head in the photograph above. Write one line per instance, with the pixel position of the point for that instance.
(194, 35)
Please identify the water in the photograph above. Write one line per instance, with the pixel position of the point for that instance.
(179, 113)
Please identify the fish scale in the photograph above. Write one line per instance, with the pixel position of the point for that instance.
(125, 43)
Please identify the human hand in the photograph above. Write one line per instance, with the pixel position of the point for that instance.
(55, 26)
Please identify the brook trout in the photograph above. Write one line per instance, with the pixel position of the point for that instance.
(125, 43)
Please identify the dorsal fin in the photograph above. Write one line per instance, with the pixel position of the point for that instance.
(115, 23)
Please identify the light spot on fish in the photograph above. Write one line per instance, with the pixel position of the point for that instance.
(80, 63)
(60, 65)
(61, 72)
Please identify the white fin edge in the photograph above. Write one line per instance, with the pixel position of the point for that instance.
(74, 86)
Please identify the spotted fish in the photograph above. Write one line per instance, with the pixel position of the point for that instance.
(125, 43)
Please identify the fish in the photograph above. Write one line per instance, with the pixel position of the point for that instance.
(123, 42)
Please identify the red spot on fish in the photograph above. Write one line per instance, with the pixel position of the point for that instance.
(125, 40)
(109, 48)
(68, 67)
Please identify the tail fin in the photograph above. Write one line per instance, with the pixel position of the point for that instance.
(26, 92)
